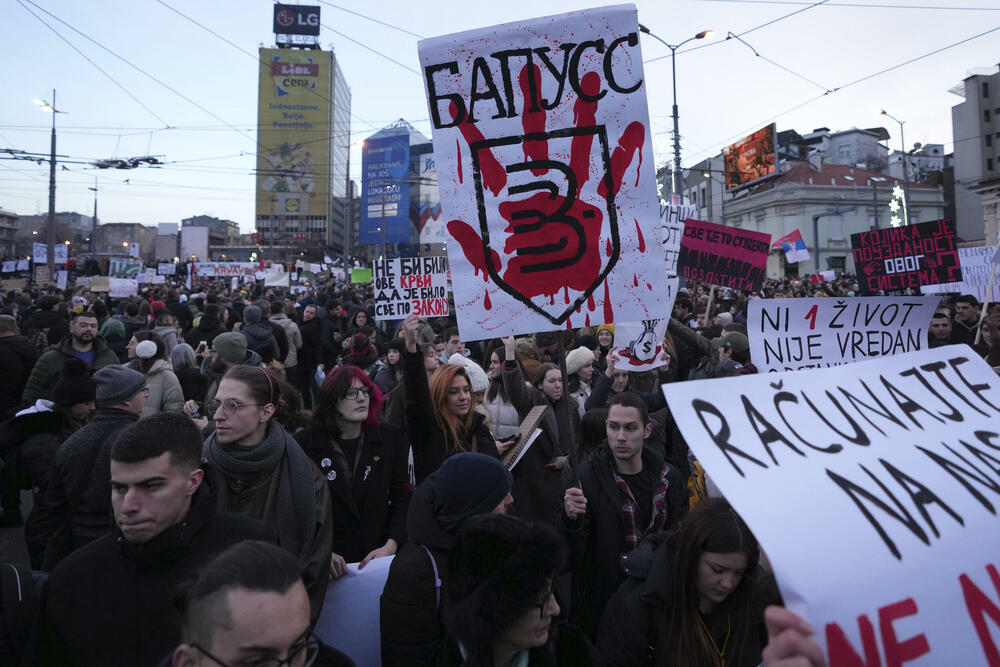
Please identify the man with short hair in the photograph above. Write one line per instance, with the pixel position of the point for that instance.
(228, 349)
(966, 322)
(74, 510)
(248, 606)
(311, 353)
(939, 332)
(112, 602)
(291, 360)
(622, 494)
(452, 344)
(82, 342)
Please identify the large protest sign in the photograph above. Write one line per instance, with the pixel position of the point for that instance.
(166, 269)
(119, 267)
(893, 259)
(40, 253)
(223, 269)
(723, 256)
(887, 476)
(672, 219)
(9, 266)
(416, 285)
(792, 334)
(122, 287)
(977, 266)
(544, 160)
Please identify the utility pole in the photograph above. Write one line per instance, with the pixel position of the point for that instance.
(93, 223)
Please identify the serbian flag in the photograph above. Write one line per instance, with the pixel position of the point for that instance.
(794, 247)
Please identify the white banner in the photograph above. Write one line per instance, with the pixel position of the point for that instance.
(9, 266)
(61, 277)
(672, 219)
(546, 174)
(791, 334)
(276, 280)
(23, 265)
(873, 488)
(223, 269)
(40, 253)
(122, 287)
(166, 268)
(977, 264)
(410, 285)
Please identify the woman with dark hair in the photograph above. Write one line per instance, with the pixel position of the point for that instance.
(148, 356)
(702, 602)
(365, 464)
(502, 606)
(503, 415)
(579, 376)
(265, 474)
(441, 418)
(292, 416)
(392, 372)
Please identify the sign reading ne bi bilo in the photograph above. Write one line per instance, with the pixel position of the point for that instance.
(887, 476)
(407, 285)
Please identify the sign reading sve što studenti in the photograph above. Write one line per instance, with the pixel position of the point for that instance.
(896, 258)
(887, 474)
(723, 256)
(417, 285)
(792, 334)
(545, 168)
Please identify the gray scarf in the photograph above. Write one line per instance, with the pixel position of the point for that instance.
(278, 452)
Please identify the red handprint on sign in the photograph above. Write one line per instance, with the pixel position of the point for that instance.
(552, 237)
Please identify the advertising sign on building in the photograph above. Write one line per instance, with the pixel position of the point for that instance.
(296, 20)
(751, 159)
(425, 209)
(385, 191)
(893, 259)
(545, 174)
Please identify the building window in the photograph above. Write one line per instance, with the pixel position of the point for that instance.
(986, 115)
(989, 164)
(986, 89)
(989, 141)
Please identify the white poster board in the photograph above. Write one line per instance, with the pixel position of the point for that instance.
(410, 285)
(22, 265)
(122, 287)
(166, 268)
(61, 277)
(9, 265)
(547, 179)
(874, 489)
(641, 347)
(672, 219)
(792, 334)
(222, 269)
(276, 280)
(977, 264)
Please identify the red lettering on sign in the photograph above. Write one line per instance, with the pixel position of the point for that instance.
(408, 282)
(980, 606)
(842, 653)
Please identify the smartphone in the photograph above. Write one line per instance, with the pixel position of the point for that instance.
(201, 346)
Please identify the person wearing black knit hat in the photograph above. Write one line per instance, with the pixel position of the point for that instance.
(466, 485)
(502, 608)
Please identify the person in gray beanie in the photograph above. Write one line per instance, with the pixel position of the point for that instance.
(79, 491)
(465, 485)
(228, 349)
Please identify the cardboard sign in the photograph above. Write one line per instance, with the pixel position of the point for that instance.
(977, 264)
(894, 259)
(361, 275)
(11, 284)
(100, 284)
(411, 285)
(42, 275)
(166, 268)
(122, 287)
(544, 162)
(792, 334)
(723, 256)
(873, 488)
(672, 230)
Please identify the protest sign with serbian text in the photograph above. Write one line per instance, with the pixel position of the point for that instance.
(977, 266)
(417, 285)
(122, 287)
(873, 488)
(223, 269)
(545, 169)
(792, 334)
(723, 256)
(166, 268)
(672, 219)
(893, 259)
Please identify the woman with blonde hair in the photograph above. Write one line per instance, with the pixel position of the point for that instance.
(441, 418)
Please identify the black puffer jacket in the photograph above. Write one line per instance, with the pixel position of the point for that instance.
(112, 602)
(260, 339)
(52, 321)
(410, 606)
(17, 356)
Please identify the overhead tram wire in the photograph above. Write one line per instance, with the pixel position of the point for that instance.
(375, 51)
(757, 125)
(369, 18)
(862, 5)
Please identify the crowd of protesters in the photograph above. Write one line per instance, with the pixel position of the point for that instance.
(202, 462)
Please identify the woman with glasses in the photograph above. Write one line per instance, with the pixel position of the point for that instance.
(441, 416)
(502, 608)
(701, 603)
(266, 475)
(365, 463)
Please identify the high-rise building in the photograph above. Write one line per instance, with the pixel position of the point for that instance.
(303, 134)
(976, 132)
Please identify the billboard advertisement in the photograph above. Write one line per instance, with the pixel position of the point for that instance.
(751, 159)
(385, 189)
(293, 119)
(296, 20)
(425, 208)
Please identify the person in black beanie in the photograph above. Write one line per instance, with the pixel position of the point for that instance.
(466, 485)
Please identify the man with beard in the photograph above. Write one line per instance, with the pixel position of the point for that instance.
(82, 343)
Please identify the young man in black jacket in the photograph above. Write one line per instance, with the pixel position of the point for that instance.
(112, 602)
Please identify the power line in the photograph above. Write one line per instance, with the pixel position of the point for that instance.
(863, 5)
(779, 66)
(375, 51)
(369, 18)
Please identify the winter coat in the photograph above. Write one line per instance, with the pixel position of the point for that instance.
(597, 540)
(165, 394)
(112, 602)
(54, 322)
(373, 508)
(17, 356)
(503, 416)
(629, 631)
(386, 378)
(600, 394)
(409, 611)
(294, 338)
(206, 331)
(429, 442)
(169, 337)
(194, 385)
(311, 354)
(260, 339)
(181, 313)
(49, 365)
(82, 470)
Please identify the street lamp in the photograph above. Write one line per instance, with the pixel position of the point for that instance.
(906, 159)
(675, 177)
(45, 106)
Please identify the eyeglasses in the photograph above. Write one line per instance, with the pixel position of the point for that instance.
(228, 407)
(358, 392)
(301, 654)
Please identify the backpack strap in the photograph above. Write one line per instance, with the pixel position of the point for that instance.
(17, 595)
(437, 577)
